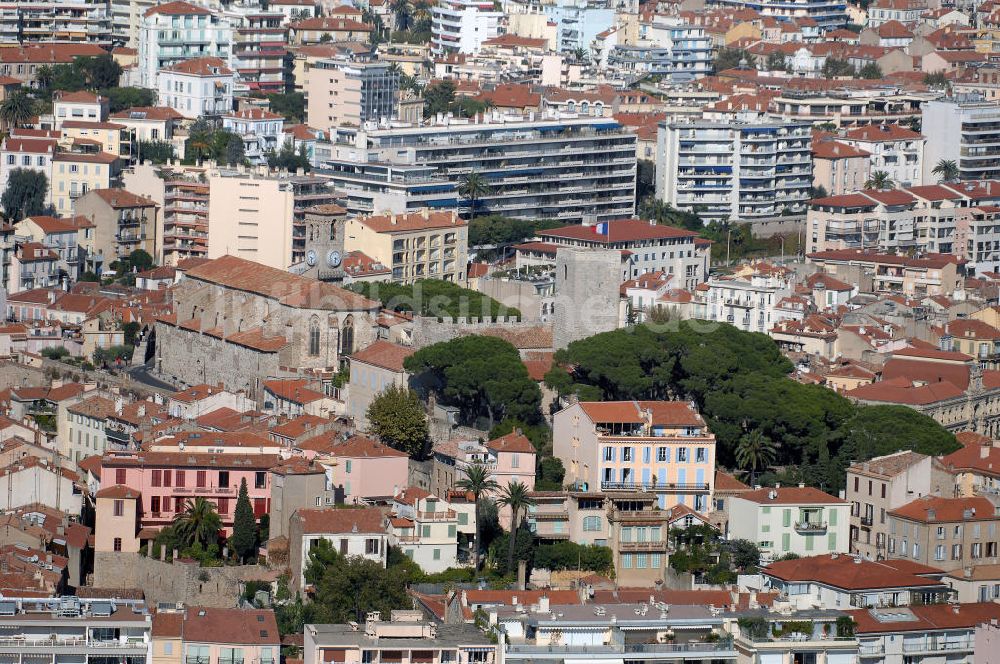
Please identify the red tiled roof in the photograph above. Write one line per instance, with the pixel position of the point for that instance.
(346, 520)
(846, 572)
(791, 495)
(930, 617)
(928, 509)
(176, 8)
(668, 413)
(384, 354)
(201, 67)
(515, 441)
(413, 221)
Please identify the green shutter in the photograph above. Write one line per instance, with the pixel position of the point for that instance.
(427, 531)
(463, 519)
(833, 516)
(451, 531)
(833, 542)
(785, 542)
(786, 518)
(810, 542)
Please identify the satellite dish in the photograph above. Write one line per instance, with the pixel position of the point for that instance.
(311, 257)
(333, 258)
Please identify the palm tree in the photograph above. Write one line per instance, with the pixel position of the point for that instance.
(515, 496)
(946, 170)
(879, 180)
(199, 522)
(472, 187)
(402, 13)
(478, 481)
(754, 452)
(17, 109)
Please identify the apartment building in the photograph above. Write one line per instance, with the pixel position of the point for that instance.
(34, 154)
(197, 87)
(168, 480)
(70, 239)
(122, 223)
(262, 132)
(663, 447)
(260, 52)
(418, 245)
(53, 21)
(110, 137)
(972, 468)
(88, 630)
(843, 582)
(931, 274)
(82, 106)
(677, 51)
(76, 173)
(182, 195)
(405, 635)
(461, 26)
(750, 303)
(209, 635)
(647, 247)
(425, 528)
(967, 131)
(268, 226)
(730, 170)
(839, 168)
(646, 625)
(175, 31)
(850, 107)
(349, 91)
(358, 469)
(893, 149)
(829, 14)
(947, 533)
(882, 484)
(800, 520)
(575, 516)
(568, 169)
(921, 634)
(351, 532)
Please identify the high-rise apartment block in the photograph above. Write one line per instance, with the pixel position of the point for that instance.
(966, 131)
(735, 170)
(568, 169)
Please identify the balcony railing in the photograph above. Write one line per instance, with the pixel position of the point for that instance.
(723, 646)
(656, 487)
(642, 546)
(449, 515)
(866, 521)
(810, 527)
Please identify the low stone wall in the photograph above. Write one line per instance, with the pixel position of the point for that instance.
(428, 331)
(172, 582)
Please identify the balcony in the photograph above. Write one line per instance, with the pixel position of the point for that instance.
(866, 521)
(655, 487)
(642, 546)
(449, 515)
(933, 645)
(550, 516)
(810, 527)
(697, 650)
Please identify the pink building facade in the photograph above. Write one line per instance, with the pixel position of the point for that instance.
(359, 467)
(168, 480)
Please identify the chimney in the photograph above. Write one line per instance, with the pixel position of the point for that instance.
(984, 451)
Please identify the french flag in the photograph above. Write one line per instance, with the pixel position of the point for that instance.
(602, 228)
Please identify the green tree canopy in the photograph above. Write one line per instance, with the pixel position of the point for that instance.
(25, 194)
(291, 105)
(482, 375)
(735, 378)
(244, 538)
(396, 416)
(498, 230)
(434, 298)
(347, 588)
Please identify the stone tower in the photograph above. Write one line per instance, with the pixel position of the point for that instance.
(587, 299)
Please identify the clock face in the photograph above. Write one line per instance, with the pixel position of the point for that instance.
(311, 257)
(333, 258)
